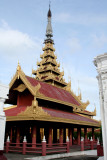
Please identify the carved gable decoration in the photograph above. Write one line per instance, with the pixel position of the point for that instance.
(20, 88)
(34, 111)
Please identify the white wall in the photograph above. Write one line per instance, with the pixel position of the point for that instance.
(101, 66)
(3, 95)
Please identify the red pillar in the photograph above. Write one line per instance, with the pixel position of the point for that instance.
(92, 144)
(34, 137)
(18, 137)
(67, 146)
(61, 136)
(85, 135)
(50, 137)
(7, 146)
(11, 135)
(78, 134)
(70, 136)
(82, 145)
(24, 147)
(44, 147)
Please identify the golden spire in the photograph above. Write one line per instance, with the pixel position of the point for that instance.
(48, 68)
(18, 69)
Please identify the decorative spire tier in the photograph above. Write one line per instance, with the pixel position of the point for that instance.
(48, 68)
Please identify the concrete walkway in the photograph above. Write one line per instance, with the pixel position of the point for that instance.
(79, 155)
(101, 158)
(90, 152)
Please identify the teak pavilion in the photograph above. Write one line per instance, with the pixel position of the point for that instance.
(45, 105)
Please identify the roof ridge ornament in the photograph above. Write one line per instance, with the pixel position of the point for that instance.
(18, 68)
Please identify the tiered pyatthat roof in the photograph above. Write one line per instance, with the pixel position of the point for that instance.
(48, 70)
(37, 98)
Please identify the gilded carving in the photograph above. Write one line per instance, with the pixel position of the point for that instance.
(20, 88)
(34, 110)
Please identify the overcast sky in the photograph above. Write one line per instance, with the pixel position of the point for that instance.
(80, 34)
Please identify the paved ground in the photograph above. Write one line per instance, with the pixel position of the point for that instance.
(13, 156)
(79, 158)
(73, 155)
(23, 157)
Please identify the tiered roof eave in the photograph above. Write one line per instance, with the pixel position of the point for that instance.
(35, 87)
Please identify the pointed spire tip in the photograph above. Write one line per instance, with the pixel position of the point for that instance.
(49, 12)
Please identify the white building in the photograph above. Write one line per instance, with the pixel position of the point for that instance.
(101, 64)
(3, 95)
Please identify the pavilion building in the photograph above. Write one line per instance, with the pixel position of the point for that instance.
(45, 104)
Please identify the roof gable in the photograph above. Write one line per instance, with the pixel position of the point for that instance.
(45, 91)
(53, 92)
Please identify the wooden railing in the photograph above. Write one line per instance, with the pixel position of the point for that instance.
(57, 148)
(89, 145)
(36, 148)
(43, 148)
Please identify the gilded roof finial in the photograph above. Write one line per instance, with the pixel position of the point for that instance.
(49, 27)
(18, 68)
(49, 12)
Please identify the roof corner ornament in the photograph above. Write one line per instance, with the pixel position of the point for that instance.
(68, 87)
(94, 112)
(79, 94)
(85, 104)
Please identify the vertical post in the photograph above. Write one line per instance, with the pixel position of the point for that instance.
(93, 137)
(34, 137)
(92, 146)
(70, 136)
(67, 141)
(24, 145)
(82, 144)
(85, 135)
(18, 137)
(11, 135)
(50, 137)
(61, 136)
(78, 134)
(99, 149)
(98, 145)
(44, 146)
(7, 144)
